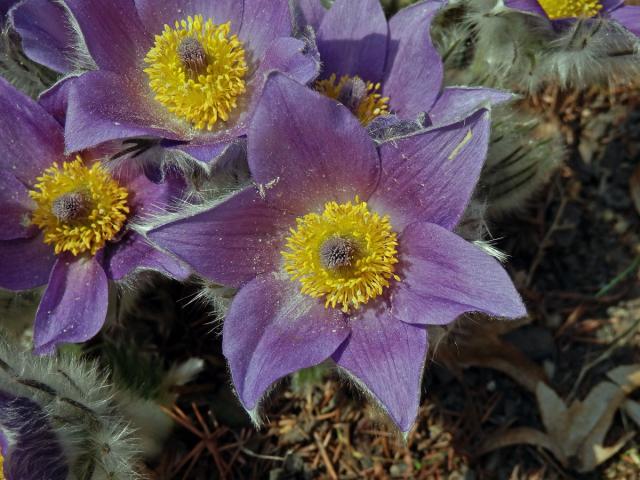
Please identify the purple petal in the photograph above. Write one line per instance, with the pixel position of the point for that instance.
(231, 243)
(262, 23)
(74, 305)
(25, 263)
(310, 12)
(133, 252)
(45, 32)
(103, 106)
(155, 14)
(206, 153)
(457, 103)
(54, 99)
(531, 6)
(113, 33)
(148, 198)
(352, 39)
(430, 176)
(629, 17)
(388, 357)
(444, 276)
(16, 208)
(287, 55)
(327, 154)
(272, 330)
(31, 139)
(608, 5)
(34, 452)
(414, 67)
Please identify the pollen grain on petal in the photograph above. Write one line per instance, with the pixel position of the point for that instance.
(197, 71)
(346, 254)
(78, 207)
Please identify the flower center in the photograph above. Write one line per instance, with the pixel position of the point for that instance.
(557, 9)
(346, 254)
(196, 70)
(2, 477)
(78, 208)
(361, 97)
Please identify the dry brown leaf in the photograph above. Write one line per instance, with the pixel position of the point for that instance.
(597, 412)
(634, 188)
(478, 344)
(519, 436)
(627, 376)
(632, 408)
(552, 410)
(575, 434)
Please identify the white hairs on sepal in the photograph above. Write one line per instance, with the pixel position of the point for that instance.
(79, 403)
(510, 48)
(523, 153)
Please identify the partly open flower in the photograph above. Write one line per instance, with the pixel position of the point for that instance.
(345, 252)
(29, 448)
(182, 70)
(561, 10)
(375, 67)
(65, 220)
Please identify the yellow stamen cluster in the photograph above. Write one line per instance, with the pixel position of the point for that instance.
(2, 477)
(104, 210)
(557, 9)
(374, 243)
(205, 96)
(373, 104)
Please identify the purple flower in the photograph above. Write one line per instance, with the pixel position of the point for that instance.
(29, 448)
(375, 67)
(626, 15)
(180, 70)
(65, 222)
(345, 252)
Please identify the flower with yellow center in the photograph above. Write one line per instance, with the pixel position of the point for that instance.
(558, 9)
(78, 207)
(362, 98)
(346, 254)
(196, 70)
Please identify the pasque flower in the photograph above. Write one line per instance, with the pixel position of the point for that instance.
(65, 222)
(375, 67)
(346, 252)
(626, 15)
(181, 70)
(29, 448)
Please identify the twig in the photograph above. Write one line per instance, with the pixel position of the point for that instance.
(545, 241)
(604, 355)
(618, 278)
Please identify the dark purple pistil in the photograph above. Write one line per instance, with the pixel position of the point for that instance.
(192, 55)
(337, 252)
(352, 93)
(69, 206)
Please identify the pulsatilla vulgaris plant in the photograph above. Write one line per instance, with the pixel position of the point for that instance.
(347, 251)
(173, 69)
(66, 222)
(530, 43)
(378, 68)
(59, 421)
